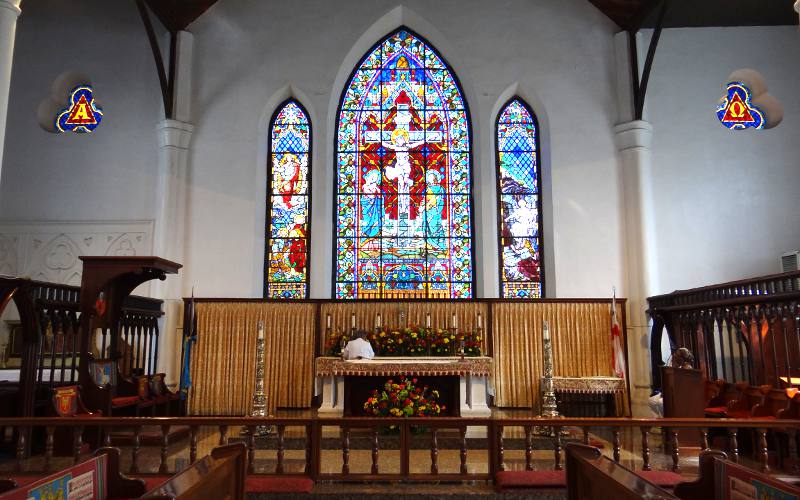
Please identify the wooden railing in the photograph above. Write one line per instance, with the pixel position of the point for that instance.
(314, 427)
(50, 320)
(741, 331)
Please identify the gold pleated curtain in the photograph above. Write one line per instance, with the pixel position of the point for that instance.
(223, 359)
(400, 314)
(581, 337)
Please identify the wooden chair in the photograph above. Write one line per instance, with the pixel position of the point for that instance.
(165, 399)
(146, 402)
(221, 474)
(727, 394)
(751, 403)
(67, 402)
(787, 438)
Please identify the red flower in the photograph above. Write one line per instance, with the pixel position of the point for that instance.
(413, 381)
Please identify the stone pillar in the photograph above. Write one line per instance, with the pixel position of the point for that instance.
(635, 156)
(633, 139)
(9, 12)
(171, 219)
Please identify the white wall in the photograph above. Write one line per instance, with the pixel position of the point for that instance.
(249, 55)
(726, 201)
(106, 175)
(557, 54)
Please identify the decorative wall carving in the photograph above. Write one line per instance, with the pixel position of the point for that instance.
(49, 250)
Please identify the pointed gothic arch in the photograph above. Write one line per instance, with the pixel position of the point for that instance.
(519, 199)
(288, 220)
(403, 156)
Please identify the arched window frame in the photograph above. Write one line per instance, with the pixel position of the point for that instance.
(270, 193)
(470, 145)
(539, 220)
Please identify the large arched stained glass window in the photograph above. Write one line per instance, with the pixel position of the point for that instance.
(403, 204)
(288, 203)
(520, 222)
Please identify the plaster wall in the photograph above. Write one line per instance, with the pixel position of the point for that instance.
(726, 201)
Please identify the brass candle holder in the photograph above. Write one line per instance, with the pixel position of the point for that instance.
(258, 407)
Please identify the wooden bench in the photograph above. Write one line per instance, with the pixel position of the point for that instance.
(592, 475)
(221, 475)
(98, 476)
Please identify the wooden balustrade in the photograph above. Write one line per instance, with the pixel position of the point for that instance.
(494, 428)
(741, 331)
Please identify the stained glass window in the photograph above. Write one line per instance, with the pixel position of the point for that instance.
(288, 203)
(403, 216)
(520, 211)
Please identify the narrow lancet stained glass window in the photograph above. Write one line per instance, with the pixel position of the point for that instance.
(288, 203)
(403, 202)
(518, 180)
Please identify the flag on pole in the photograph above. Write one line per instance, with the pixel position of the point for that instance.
(189, 338)
(617, 349)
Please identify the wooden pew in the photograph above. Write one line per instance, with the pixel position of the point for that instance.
(716, 472)
(591, 475)
(220, 475)
(82, 477)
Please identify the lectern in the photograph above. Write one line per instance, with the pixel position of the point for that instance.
(683, 390)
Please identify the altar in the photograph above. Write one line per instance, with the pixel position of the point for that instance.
(474, 385)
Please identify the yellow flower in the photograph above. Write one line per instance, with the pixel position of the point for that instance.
(383, 334)
(446, 340)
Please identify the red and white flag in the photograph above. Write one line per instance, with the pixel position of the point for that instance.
(617, 349)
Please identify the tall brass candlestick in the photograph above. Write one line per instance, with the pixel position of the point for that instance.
(259, 405)
(549, 405)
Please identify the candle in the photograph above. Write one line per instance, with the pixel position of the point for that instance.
(378, 323)
(546, 330)
(455, 321)
(260, 330)
(427, 320)
(352, 320)
(480, 321)
(328, 321)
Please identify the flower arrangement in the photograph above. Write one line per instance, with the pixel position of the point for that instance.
(336, 341)
(412, 342)
(391, 343)
(444, 343)
(403, 398)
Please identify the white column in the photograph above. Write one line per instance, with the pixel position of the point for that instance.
(9, 12)
(634, 139)
(174, 140)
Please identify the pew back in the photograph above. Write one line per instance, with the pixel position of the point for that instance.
(97, 478)
(589, 474)
(220, 475)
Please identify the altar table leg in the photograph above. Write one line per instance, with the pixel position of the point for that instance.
(332, 396)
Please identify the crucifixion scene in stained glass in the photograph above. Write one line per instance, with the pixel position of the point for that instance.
(403, 214)
(288, 213)
(520, 219)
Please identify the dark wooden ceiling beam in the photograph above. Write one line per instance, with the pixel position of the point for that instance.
(635, 14)
(176, 15)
